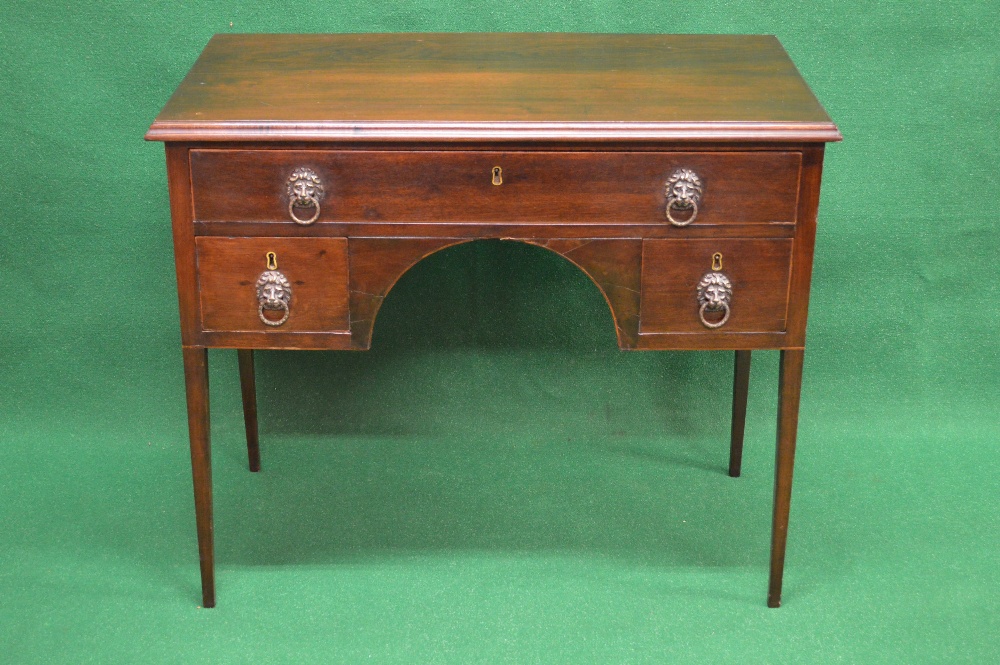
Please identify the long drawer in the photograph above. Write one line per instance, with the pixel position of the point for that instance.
(697, 188)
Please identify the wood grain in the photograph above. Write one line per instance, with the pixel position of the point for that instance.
(495, 86)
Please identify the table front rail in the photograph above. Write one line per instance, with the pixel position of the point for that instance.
(645, 270)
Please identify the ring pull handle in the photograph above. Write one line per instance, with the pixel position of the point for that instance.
(714, 324)
(684, 192)
(274, 293)
(715, 294)
(282, 306)
(304, 191)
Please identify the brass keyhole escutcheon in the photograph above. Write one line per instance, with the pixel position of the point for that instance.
(497, 175)
(274, 292)
(715, 294)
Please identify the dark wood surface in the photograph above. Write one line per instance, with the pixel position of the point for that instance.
(741, 390)
(248, 388)
(492, 87)
(181, 215)
(526, 231)
(789, 390)
(199, 433)
(804, 243)
(405, 130)
(740, 188)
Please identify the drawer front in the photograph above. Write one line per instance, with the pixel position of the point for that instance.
(756, 273)
(464, 186)
(314, 293)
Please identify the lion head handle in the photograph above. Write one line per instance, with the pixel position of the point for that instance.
(715, 292)
(274, 293)
(304, 187)
(684, 189)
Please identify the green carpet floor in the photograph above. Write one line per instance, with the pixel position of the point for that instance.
(495, 482)
(499, 495)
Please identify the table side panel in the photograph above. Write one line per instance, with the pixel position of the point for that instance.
(181, 216)
(805, 243)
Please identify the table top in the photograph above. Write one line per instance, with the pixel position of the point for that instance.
(493, 86)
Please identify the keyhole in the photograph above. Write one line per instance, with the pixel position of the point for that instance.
(272, 261)
(717, 261)
(497, 175)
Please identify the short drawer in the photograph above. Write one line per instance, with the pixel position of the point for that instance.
(733, 188)
(756, 275)
(243, 281)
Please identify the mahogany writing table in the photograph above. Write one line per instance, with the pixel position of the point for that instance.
(307, 173)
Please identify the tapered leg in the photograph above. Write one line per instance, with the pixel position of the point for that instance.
(248, 386)
(741, 384)
(196, 383)
(790, 384)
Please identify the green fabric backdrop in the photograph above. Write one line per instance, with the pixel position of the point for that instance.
(511, 488)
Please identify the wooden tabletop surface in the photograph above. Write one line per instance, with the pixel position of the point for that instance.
(493, 86)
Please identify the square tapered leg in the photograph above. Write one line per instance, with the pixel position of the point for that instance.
(741, 386)
(248, 387)
(196, 384)
(790, 385)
